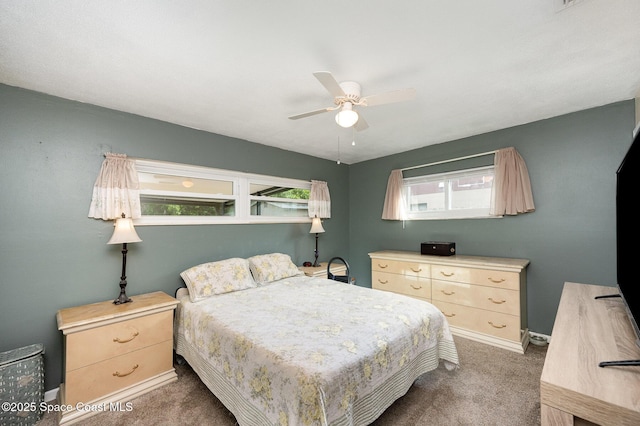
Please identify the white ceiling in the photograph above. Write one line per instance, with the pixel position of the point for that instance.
(240, 68)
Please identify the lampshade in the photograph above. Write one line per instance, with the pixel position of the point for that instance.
(316, 226)
(347, 117)
(124, 232)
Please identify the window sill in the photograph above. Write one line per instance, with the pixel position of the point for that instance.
(207, 220)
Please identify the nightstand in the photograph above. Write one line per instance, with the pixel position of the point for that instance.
(321, 271)
(114, 353)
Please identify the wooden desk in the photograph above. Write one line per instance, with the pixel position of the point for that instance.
(573, 388)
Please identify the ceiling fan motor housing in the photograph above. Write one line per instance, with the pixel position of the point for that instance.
(351, 93)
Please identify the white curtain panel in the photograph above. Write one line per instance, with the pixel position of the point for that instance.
(511, 193)
(394, 200)
(319, 200)
(116, 190)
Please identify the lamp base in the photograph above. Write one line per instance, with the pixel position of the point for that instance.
(122, 297)
(315, 253)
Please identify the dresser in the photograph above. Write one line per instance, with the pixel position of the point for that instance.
(114, 353)
(483, 298)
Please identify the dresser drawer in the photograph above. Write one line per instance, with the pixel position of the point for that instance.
(486, 277)
(488, 298)
(96, 380)
(413, 269)
(101, 343)
(407, 285)
(492, 323)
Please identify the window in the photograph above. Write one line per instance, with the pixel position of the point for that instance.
(451, 195)
(174, 194)
(277, 201)
(170, 195)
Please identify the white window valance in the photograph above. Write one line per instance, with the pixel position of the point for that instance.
(319, 200)
(116, 190)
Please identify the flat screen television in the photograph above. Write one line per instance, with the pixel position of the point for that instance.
(627, 231)
(627, 181)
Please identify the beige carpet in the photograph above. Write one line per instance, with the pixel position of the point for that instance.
(492, 387)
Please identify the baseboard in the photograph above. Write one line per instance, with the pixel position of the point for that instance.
(51, 395)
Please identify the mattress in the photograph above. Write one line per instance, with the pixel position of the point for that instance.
(311, 351)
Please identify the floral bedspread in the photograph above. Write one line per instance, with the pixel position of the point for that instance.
(310, 351)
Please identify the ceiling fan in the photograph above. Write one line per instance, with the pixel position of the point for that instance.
(346, 96)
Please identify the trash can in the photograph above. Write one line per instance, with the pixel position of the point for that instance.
(21, 385)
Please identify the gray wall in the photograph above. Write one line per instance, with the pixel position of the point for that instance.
(52, 256)
(572, 162)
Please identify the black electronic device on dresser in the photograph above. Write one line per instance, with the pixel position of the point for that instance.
(438, 248)
(627, 229)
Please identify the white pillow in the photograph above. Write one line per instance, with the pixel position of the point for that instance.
(219, 277)
(272, 267)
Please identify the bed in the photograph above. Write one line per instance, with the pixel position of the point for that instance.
(279, 348)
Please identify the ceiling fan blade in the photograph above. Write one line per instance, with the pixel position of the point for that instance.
(310, 113)
(329, 83)
(361, 124)
(389, 97)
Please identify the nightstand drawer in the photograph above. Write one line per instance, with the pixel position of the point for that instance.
(403, 268)
(96, 380)
(491, 278)
(491, 323)
(488, 298)
(98, 344)
(409, 286)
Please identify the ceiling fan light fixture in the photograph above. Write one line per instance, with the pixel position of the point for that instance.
(347, 117)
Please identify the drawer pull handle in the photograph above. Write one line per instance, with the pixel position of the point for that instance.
(448, 315)
(447, 275)
(448, 293)
(116, 374)
(497, 326)
(497, 302)
(117, 340)
(383, 282)
(498, 281)
(382, 266)
(416, 270)
(415, 288)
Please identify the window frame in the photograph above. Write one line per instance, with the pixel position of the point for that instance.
(241, 183)
(447, 213)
